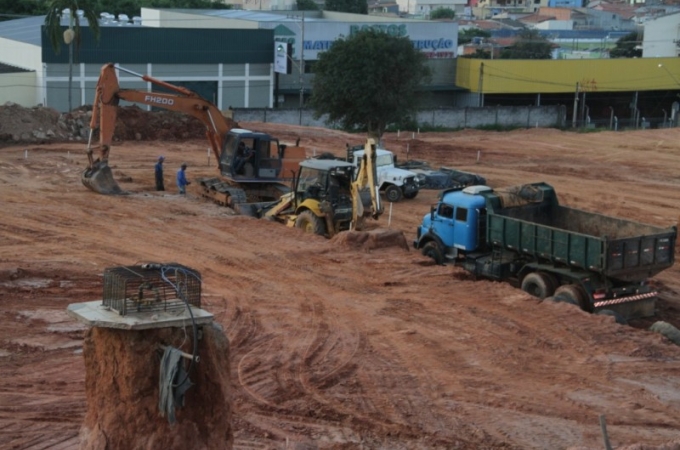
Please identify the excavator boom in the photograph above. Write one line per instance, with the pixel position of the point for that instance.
(98, 175)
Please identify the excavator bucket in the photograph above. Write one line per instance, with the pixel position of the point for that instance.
(100, 179)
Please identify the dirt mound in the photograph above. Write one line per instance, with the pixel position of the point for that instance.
(20, 124)
(38, 124)
(371, 240)
(134, 123)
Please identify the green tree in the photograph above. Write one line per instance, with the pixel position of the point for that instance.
(307, 5)
(368, 80)
(348, 6)
(479, 54)
(442, 13)
(628, 46)
(530, 45)
(465, 36)
(14, 9)
(55, 11)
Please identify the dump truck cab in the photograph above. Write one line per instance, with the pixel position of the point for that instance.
(456, 223)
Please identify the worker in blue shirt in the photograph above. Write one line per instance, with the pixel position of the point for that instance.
(158, 169)
(182, 182)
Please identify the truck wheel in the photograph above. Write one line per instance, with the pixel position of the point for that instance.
(310, 223)
(617, 317)
(411, 196)
(575, 294)
(537, 284)
(432, 250)
(552, 282)
(393, 193)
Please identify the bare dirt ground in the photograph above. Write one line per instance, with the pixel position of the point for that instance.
(333, 347)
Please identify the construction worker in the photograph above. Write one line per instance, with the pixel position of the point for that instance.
(182, 182)
(158, 169)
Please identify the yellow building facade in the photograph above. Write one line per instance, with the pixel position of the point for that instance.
(503, 76)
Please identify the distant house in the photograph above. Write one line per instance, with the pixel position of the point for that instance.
(383, 8)
(662, 37)
(565, 3)
(425, 7)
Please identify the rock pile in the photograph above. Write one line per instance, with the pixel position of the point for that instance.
(19, 124)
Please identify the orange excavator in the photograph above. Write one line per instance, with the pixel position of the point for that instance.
(253, 166)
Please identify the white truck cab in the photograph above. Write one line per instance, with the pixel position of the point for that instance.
(396, 183)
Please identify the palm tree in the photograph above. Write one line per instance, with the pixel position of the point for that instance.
(55, 12)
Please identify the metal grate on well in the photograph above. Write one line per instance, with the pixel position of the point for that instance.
(151, 287)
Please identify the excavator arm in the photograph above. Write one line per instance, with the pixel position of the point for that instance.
(366, 178)
(108, 94)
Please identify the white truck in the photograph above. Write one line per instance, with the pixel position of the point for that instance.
(396, 183)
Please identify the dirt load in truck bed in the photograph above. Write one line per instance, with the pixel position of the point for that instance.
(334, 346)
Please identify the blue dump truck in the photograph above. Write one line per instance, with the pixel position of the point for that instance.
(524, 236)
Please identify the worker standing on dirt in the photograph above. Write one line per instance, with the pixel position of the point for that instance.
(158, 169)
(182, 182)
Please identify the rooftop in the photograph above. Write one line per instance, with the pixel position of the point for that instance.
(23, 30)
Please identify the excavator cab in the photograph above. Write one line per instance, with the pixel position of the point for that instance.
(249, 156)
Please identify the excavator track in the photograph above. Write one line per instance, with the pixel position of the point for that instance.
(222, 192)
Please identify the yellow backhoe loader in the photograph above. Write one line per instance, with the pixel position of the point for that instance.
(330, 196)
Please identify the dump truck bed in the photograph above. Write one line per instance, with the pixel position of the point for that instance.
(614, 247)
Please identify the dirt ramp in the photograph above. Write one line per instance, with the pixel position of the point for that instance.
(371, 240)
(122, 390)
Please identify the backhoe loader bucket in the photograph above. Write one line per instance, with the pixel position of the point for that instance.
(100, 179)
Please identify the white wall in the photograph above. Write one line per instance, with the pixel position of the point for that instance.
(20, 54)
(555, 25)
(20, 88)
(660, 35)
(173, 19)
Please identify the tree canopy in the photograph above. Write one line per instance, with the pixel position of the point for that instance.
(368, 80)
(627, 46)
(465, 36)
(442, 13)
(307, 5)
(55, 12)
(530, 45)
(348, 6)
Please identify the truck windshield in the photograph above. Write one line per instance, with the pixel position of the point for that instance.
(383, 160)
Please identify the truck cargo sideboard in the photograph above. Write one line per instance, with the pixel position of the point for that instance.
(536, 225)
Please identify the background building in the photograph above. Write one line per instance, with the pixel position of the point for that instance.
(318, 30)
(226, 56)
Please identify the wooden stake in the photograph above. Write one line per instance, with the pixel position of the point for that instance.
(605, 437)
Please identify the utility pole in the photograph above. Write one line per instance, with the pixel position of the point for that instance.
(481, 85)
(302, 66)
(573, 116)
